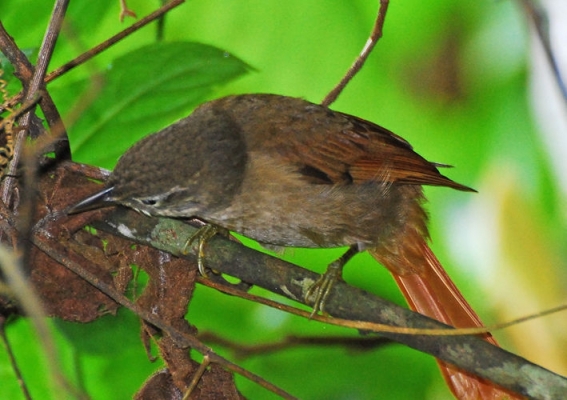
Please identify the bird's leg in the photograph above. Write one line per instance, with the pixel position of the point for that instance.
(201, 237)
(321, 289)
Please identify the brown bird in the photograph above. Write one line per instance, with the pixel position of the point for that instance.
(286, 172)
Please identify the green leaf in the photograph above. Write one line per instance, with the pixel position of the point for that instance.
(145, 90)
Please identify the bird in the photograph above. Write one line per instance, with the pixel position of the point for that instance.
(290, 173)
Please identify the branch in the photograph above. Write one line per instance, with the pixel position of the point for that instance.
(467, 352)
(25, 71)
(375, 35)
(83, 58)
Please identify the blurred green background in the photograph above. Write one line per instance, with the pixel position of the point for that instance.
(451, 77)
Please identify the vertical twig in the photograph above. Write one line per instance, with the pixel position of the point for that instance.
(541, 25)
(375, 35)
(25, 71)
(16, 277)
(13, 362)
(33, 86)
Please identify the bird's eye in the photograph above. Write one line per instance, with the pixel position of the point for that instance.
(149, 202)
(158, 200)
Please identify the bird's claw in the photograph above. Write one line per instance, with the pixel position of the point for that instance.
(201, 237)
(319, 291)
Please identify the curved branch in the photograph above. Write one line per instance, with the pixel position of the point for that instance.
(467, 352)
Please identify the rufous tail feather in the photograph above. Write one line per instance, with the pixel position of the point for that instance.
(431, 292)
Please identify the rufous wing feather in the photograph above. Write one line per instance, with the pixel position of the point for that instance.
(365, 152)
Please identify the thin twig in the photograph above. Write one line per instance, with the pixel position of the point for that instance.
(13, 362)
(244, 351)
(109, 42)
(375, 35)
(24, 71)
(33, 86)
(14, 115)
(197, 377)
(541, 24)
(125, 11)
(372, 326)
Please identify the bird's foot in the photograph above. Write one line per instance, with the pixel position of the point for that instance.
(319, 291)
(200, 238)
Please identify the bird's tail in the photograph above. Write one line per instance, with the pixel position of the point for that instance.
(429, 291)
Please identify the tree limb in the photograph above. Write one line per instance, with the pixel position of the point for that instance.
(467, 352)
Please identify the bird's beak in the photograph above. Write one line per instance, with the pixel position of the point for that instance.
(97, 200)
